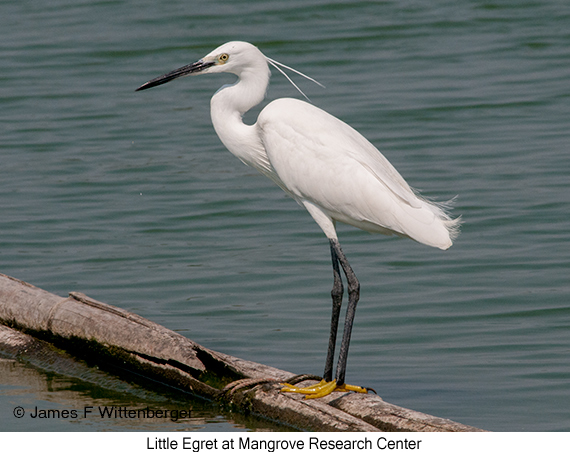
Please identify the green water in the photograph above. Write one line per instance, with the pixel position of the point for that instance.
(131, 198)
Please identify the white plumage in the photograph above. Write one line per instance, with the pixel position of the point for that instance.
(317, 159)
(321, 162)
(325, 162)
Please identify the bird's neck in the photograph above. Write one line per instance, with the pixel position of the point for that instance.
(228, 106)
(246, 93)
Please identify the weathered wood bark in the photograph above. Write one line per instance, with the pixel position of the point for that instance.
(88, 328)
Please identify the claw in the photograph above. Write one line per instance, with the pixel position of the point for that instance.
(354, 388)
(306, 390)
(324, 390)
(321, 389)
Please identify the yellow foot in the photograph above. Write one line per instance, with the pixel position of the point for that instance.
(322, 389)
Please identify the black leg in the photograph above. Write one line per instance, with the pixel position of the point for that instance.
(336, 294)
(353, 296)
(324, 388)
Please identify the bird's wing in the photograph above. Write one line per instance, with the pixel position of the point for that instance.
(303, 141)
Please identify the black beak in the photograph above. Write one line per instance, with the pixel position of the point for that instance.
(189, 69)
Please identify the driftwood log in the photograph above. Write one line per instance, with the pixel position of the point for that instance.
(87, 328)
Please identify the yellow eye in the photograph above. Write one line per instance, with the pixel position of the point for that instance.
(223, 58)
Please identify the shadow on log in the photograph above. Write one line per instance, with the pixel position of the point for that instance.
(89, 329)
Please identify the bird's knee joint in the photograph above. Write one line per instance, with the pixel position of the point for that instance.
(336, 292)
(337, 289)
(354, 287)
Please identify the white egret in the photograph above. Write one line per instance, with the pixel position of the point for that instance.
(323, 164)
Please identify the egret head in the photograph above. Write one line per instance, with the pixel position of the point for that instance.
(235, 57)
